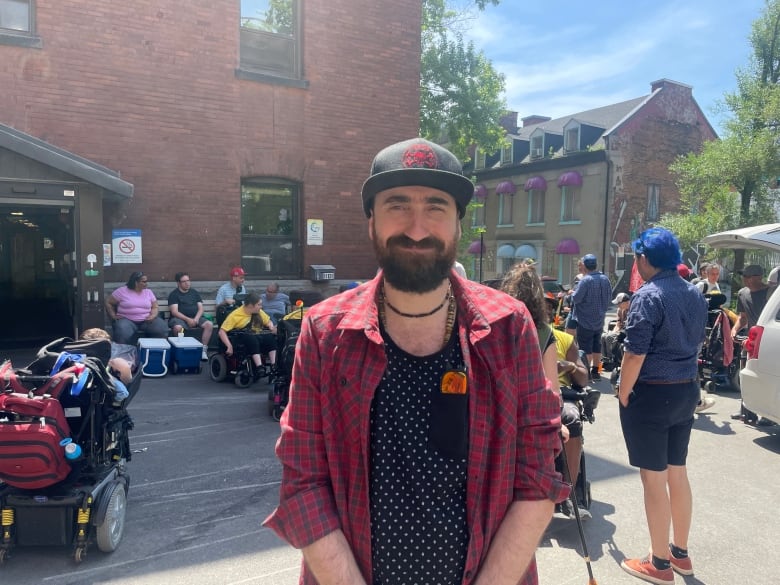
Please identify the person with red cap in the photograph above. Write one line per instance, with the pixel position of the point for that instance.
(227, 293)
(419, 442)
(684, 271)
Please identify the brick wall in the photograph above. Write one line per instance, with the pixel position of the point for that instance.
(669, 125)
(149, 89)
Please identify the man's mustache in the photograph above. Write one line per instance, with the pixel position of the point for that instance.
(407, 242)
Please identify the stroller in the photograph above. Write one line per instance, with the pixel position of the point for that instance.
(64, 446)
(719, 356)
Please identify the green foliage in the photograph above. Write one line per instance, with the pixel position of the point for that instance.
(277, 18)
(461, 95)
(730, 184)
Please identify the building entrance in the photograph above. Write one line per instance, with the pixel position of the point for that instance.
(37, 274)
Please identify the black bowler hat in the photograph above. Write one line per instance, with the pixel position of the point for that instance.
(417, 162)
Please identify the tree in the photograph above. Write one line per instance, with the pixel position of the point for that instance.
(731, 183)
(461, 95)
(276, 18)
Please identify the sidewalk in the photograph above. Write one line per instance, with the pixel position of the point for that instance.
(734, 474)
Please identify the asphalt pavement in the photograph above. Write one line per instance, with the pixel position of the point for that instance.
(204, 476)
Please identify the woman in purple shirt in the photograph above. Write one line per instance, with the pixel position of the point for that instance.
(133, 309)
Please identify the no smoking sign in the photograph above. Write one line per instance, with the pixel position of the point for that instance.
(126, 246)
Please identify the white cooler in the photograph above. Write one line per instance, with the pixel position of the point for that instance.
(154, 356)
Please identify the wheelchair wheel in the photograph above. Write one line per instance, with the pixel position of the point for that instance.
(218, 367)
(243, 378)
(109, 533)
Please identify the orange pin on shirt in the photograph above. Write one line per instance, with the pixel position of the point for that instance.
(454, 382)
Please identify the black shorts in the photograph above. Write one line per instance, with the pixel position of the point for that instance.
(657, 424)
(589, 340)
(258, 343)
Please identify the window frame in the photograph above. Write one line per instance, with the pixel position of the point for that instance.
(567, 143)
(480, 159)
(478, 214)
(249, 240)
(533, 194)
(507, 153)
(653, 200)
(573, 192)
(537, 143)
(255, 45)
(23, 38)
(505, 209)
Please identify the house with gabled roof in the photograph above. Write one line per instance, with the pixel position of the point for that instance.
(585, 183)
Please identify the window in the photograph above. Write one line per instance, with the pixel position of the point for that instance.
(17, 23)
(479, 159)
(16, 15)
(506, 154)
(537, 146)
(477, 214)
(535, 206)
(505, 208)
(570, 204)
(269, 228)
(271, 40)
(572, 139)
(653, 202)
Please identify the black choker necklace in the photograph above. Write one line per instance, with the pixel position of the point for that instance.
(416, 315)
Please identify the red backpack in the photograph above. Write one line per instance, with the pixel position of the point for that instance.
(31, 429)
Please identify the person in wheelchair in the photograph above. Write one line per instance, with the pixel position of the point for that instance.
(562, 365)
(612, 341)
(247, 324)
(578, 404)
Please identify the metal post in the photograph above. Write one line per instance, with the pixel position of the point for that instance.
(481, 252)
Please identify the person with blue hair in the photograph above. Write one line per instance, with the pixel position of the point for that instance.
(658, 392)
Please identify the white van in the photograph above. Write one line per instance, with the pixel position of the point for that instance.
(760, 378)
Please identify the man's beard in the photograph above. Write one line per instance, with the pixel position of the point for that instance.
(411, 272)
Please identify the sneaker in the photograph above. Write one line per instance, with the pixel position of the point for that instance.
(584, 513)
(645, 570)
(706, 401)
(594, 374)
(259, 372)
(204, 356)
(682, 566)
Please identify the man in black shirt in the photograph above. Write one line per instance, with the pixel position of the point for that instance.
(186, 307)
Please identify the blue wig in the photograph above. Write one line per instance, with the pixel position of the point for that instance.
(660, 247)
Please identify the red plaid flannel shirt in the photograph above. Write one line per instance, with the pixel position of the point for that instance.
(514, 421)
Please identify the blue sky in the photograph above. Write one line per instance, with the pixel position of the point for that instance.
(565, 56)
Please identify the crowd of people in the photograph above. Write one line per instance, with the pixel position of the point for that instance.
(426, 414)
(133, 310)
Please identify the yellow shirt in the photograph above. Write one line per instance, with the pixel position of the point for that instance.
(563, 342)
(238, 319)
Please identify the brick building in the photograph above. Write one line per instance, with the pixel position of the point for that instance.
(208, 136)
(589, 182)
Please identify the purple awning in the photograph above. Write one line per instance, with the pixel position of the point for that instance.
(475, 247)
(506, 188)
(537, 183)
(480, 192)
(567, 246)
(570, 179)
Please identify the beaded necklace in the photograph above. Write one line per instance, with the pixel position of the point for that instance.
(450, 311)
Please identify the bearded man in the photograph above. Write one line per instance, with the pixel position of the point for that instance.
(418, 445)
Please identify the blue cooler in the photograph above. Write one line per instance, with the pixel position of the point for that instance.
(154, 356)
(185, 355)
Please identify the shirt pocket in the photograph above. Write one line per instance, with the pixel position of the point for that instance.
(449, 428)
